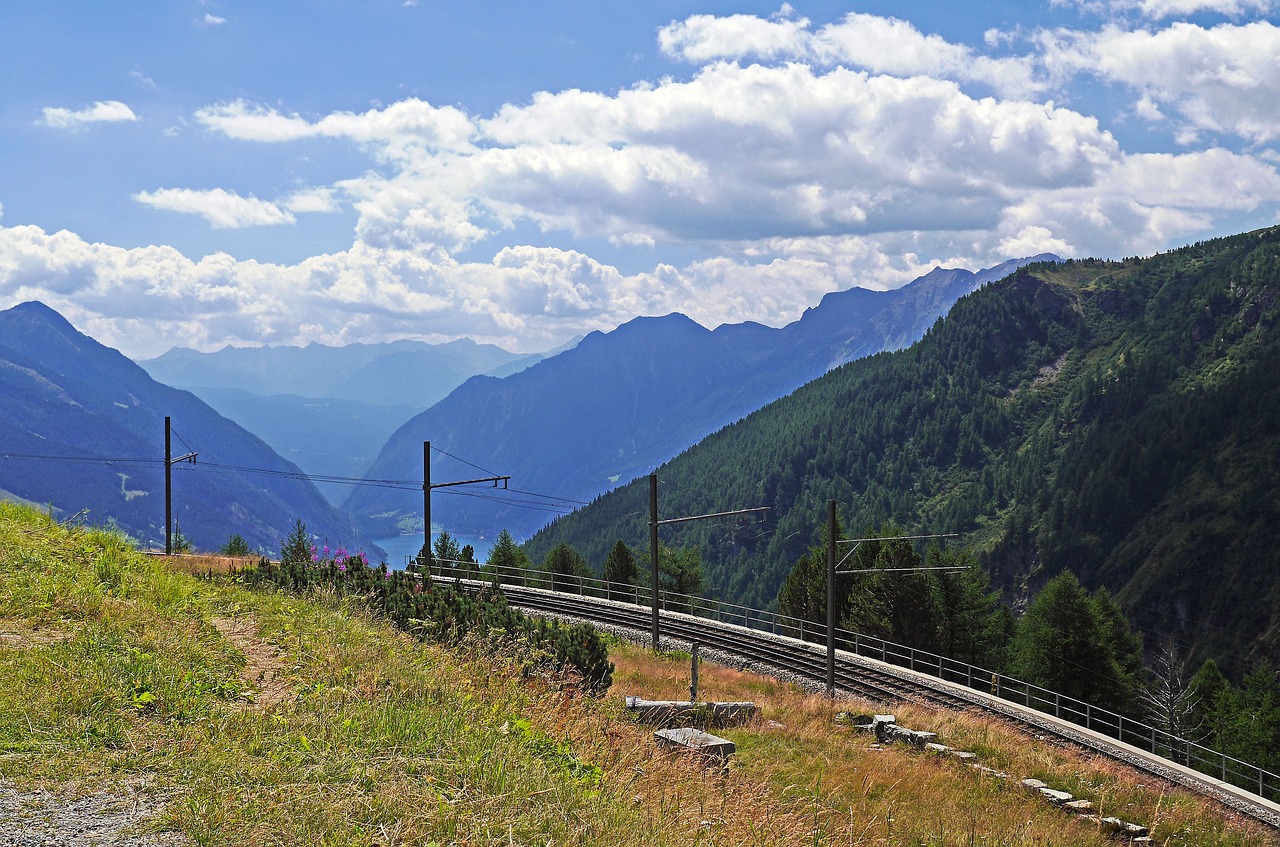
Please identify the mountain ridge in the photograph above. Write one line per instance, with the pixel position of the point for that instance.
(621, 402)
(83, 429)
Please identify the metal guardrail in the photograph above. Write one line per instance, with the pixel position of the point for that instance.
(1120, 727)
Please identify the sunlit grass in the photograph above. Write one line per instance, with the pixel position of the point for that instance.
(113, 668)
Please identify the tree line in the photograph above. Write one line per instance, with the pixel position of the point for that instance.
(1067, 640)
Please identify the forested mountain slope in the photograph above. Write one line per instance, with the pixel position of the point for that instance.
(73, 408)
(621, 402)
(1121, 419)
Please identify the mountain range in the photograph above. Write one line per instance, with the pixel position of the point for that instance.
(1117, 419)
(330, 409)
(619, 403)
(83, 433)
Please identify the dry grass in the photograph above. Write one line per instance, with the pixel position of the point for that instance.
(204, 563)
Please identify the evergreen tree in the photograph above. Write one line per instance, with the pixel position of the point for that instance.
(620, 570)
(508, 560)
(297, 547)
(1124, 645)
(235, 546)
(1204, 690)
(180, 543)
(1076, 645)
(1247, 719)
(566, 567)
(974, 624)
(467, 556)
(447, 554)
(680, 572)
(803, 594)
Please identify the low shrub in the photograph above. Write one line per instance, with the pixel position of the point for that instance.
(445, 614)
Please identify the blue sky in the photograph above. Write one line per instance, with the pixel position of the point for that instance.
(202, 173)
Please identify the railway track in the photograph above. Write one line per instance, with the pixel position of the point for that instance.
(879, 681)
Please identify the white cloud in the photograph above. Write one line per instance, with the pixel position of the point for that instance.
(399, 131)
(221, 208)
(870, 42)
(705, 38)
(102, 111)
(1161, 9)
(850, 154)
(1223, 79)
(211, 19)
(148, 299)
(311, 200)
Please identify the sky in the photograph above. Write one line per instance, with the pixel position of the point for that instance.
(198, 174)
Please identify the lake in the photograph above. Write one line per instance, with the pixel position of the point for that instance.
(399, 547)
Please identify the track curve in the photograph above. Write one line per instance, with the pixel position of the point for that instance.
(878, 681)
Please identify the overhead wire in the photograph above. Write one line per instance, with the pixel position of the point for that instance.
(464, 461)
(96, 460)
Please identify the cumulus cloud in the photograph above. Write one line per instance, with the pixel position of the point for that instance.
(870, 42)
(705, 38)
(102, 111)
(1222, 79)
(397, 132)
(854, 153)
(735, 154)
(221, 208)
(211, 19)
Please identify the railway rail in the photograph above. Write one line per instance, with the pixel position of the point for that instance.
(876, 680)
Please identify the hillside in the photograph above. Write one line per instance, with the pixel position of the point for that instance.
(202, 709)
(1121, 419)
(619, 403)
(83, 431)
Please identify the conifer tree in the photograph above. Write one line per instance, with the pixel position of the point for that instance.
(1076, 645)
(508, 560)
(620, 570)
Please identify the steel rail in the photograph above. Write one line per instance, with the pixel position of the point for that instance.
(876, 680)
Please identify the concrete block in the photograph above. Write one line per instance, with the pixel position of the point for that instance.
(688, 712)
(696, 741)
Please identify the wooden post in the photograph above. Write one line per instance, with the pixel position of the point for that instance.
(693, 674)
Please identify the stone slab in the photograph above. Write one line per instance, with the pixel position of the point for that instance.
(696, 741)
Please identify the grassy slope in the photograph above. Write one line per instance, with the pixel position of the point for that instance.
(326, 726)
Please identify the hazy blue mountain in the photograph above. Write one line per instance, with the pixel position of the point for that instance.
(71, 403)
(330, 409)
(323, 436)
(396, 373)
(619, 403)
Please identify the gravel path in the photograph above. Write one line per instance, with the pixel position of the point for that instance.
(43, 819)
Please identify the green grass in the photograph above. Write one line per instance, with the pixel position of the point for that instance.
(114, 669)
